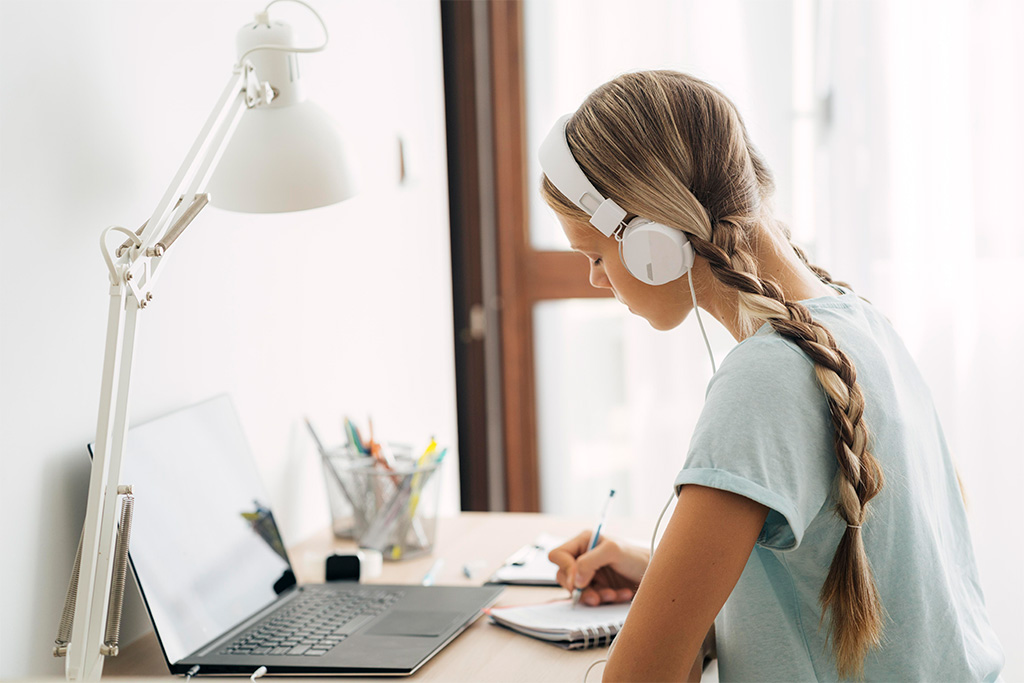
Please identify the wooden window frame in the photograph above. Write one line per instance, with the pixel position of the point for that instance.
(497, 275)
(526, 276)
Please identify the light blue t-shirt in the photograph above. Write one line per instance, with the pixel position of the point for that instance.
(765, 433)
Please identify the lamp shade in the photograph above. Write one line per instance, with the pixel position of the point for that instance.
(282, 159)
(285, 156)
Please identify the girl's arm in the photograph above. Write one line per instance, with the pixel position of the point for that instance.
(708, 652)
(700, 558)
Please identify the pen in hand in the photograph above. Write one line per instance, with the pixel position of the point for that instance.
(594, 540)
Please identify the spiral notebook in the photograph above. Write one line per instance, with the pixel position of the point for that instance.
(562, 625)
(530, 566)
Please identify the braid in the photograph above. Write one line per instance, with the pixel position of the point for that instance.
(849, 595)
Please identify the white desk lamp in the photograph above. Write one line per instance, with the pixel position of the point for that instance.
(285, 155)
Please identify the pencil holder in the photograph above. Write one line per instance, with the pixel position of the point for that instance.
(390, 509)
(343, 519)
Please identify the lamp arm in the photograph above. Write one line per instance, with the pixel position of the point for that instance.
(132, 273)
(165, 224)
(84, 652)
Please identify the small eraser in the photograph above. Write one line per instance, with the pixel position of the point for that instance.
(372, 563)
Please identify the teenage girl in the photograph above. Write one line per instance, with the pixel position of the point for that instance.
(819, 532)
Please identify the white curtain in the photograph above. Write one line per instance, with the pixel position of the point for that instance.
(919, 176)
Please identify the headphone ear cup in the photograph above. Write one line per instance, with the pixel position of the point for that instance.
(655, 253)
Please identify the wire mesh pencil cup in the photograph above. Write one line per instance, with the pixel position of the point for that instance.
(390, 510)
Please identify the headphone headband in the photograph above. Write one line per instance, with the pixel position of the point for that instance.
(561, 168)
(651, 252)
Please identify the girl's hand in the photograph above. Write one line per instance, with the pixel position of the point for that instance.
(608, 573)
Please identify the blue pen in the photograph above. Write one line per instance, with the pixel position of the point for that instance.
(593, 541)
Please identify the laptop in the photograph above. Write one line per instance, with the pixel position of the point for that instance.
(218, 584)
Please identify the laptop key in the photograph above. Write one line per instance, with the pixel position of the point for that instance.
(314, 629)
(354, 625)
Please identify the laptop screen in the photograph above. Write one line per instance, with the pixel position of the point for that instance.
(204, 545)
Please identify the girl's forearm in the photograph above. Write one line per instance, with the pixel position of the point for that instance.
(707, 653)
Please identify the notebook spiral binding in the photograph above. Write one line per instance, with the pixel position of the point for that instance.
(598, 636)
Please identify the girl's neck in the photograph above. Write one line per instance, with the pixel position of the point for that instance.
(776, 261)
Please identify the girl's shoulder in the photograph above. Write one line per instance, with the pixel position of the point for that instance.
(767, 356)
(765, 359)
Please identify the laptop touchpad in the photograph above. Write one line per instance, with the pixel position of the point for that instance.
(425, 623)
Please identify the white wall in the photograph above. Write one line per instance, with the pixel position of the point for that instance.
(345, 309)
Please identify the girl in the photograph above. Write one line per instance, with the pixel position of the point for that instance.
(819, 532)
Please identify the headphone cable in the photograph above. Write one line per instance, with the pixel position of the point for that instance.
(693, 294)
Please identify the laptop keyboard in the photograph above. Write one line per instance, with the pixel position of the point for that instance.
(313, 623)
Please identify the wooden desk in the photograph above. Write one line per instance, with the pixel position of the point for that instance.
(483, 652)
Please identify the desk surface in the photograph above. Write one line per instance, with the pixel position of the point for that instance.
(483, 651)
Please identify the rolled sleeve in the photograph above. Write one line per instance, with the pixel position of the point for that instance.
(765, 433)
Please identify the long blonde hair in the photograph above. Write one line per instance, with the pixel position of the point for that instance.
(673, 149)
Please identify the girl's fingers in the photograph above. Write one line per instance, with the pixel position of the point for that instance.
(607, 552)
(578, 566)
(564, 557)
(566, 554)
(590, 597)
(564, 578)
(596, 596)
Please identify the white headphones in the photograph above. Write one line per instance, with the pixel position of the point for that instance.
(652, 252)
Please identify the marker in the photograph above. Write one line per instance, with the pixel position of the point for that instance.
(427, 453)
(593, 541)
(354, 440)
